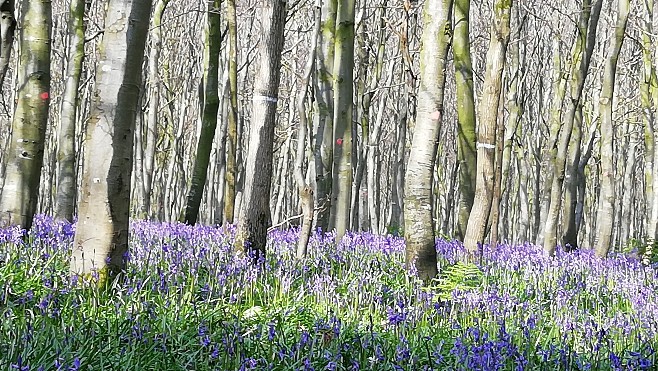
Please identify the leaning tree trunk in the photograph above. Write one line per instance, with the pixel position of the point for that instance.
(20, 191)
(232, 128)
(66, 156)
(419, 230)
(466, 152)
(477, 222)
(209, 114)
(7, 28)
(255, 215)
(605, 215)
(101, 239)
(343, 87)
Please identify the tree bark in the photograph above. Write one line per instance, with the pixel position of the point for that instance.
(420, 252)
(20, 191)
(323, 123)
(305, 189)
(466, 152)
(255, 215)
(605, 213)
(232, 128)
(66, 155)
(209, 115)
(101, 239)
(343, 87)
(488, 114)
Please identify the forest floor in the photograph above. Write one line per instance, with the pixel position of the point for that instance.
(186, 303)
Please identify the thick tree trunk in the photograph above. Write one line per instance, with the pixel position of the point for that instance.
(101, 239)
(20, 191)
(66, 155)
(420, 227)
(488, 114)
(466, 152)
(255, 216)
(209, 115)
(606, 210)
(343, 87)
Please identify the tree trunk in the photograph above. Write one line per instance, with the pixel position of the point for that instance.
(7, 29)
(255, 216)
(305, 189)
(420, 228)
(153, 108)
(101, 239)
(323, 123)
(581, 56)
(500, 30)
(66, 155)
(605, 215)
(209, 115)
(232, 129)
(466, 152)
(20, 191)
(343, 87)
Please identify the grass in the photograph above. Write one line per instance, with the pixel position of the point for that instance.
(185, 303)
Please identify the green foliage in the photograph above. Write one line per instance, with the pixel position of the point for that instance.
(457, 277)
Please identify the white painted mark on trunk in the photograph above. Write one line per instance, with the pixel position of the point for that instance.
(265, 98)
(96, 180)
(485, 145)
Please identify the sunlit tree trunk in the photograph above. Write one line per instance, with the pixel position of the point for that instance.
(66, 155)
(101, 239)
(343, 87)
(255, 215)
(209, 114)
(605, 216)
(232, 129)
(419, 230)
(488, 118)
(7, 28)
(466, 152)
(20, 191)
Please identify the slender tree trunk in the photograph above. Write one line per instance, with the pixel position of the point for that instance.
(323, 124)
(101, 239)
(488, 114)
(420, 228)
(343, 88)
(305, 188)
(232, 130)
(66, 155)
(20, 191)
(605, 214)
(153, 107)
(255, 216)
(466, 152)
(581, 56)
(209, 115)
(7, 29)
